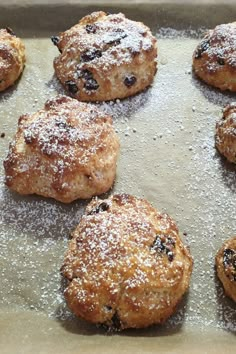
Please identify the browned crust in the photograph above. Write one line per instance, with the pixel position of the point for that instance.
(101, 52)
(226, 267)
(12, 58)
(225, 137)
(67, 150)
(214, 59)
(126, 263)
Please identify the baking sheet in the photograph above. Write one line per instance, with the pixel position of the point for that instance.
(167, 156)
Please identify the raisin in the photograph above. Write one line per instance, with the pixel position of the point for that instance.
(220, 61)
(108, 308)
(101, 207)
(170, 256)
(170, 241)
(116, 40)
(63, 125)
(9, 30)
(116, 323)
(28, 137)
(205, 45)
(158, 245)
(130, 80)
(202, 48)
(55, 40)
(85, 74)
(91, 85)
(90, 55)
(229, 257)
(91, 28)
(164, 245)
(2, 135)
(71, 86)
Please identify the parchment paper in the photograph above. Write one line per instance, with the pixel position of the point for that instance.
(167, 156)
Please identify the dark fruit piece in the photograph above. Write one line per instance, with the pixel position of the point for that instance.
(71, 86)
(220, 61)
(202, 48)
(90, 55)
(84, 73)
(116, 39)
(101, 207)
(91, 28)
(229, 260)
(9, 30)
(116, 323)
(163, 244)
(55, 40)
(91, 84)
(130, 80)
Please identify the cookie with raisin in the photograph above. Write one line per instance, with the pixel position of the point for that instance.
(67, 150)
(214, 59)
(126, 264)
(225, 136)
(105, 56)
(12, 58)
(226, 266)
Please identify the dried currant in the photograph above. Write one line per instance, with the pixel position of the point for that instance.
(63, 125)
(90, 55)
(202, 48)
(91, 84)
(220, 61)
(164, 245)
(229, 260)
(28, 137)
(115, 40)
(116, 322)
(91, 28)
(130, 80)
(101, 207)
(55, 40)
(9, 30)
(170, 256)
(229, 257)
(71, 86)
(84, 73)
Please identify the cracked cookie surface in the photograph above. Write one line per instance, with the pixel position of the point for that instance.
(66, 151)
(214, 59)
(12, 58)
(126, 265)
(105, 57)
(226, 266)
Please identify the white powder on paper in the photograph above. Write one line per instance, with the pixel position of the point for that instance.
(182, 175)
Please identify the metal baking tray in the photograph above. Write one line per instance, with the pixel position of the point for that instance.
(167, 156)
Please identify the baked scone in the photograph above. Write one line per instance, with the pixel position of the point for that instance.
(225, 137)
(12, 58)
(226, 266)
(126, 265)
(214, 59)
(67, 150)
(105, 57)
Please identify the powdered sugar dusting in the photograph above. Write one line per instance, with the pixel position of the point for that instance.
(219, 45)
(167, 156)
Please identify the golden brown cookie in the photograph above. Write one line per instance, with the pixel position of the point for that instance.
(214, 59)
(226, 266)
(225, 137)
(12, 58)
(126, 265)
(67, 150)
(105, 57)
